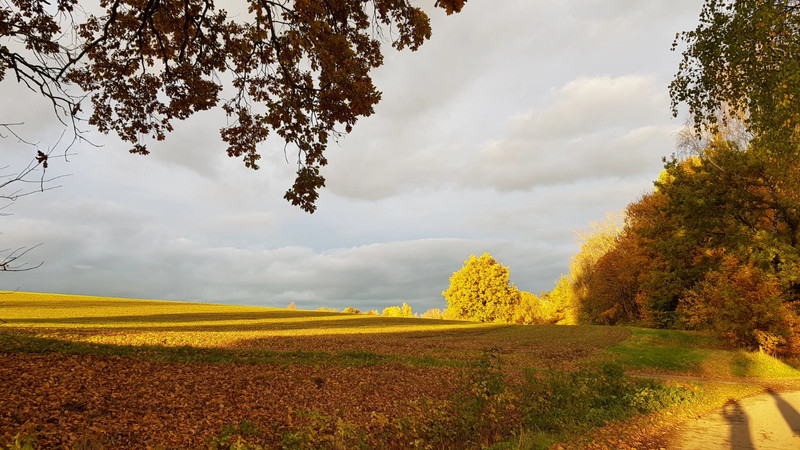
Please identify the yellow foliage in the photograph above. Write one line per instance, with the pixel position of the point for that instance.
(398, 311)
(434, 313)
(481, 291)
(527, 310)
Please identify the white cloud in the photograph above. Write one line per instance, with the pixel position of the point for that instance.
(597, 127)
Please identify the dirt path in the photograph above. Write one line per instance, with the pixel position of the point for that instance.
(769, 421)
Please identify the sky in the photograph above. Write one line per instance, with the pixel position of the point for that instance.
(516, 125)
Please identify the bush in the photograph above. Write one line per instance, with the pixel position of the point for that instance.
(478, 414)
(571, 402)
(234, 437)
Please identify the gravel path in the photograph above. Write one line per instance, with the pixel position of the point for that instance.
(769, 421)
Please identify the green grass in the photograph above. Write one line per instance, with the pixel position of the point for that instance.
(693, 353)
(760, 365)
(664, 350)
(562, 405)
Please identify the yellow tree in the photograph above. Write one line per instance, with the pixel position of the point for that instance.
(562, 302)
(595, 243)
(481, 291)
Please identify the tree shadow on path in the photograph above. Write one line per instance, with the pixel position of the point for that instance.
(740, 427)
(790, 415)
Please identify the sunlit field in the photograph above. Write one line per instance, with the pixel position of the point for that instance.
(145, 322)
(91, 372)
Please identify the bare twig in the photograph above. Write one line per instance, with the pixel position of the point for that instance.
(31, 179)
(9, 262)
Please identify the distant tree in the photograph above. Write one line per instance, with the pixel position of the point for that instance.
(743, 202)
(528, 310)
(649, 238)
(405, 310)
(481, 291)
(613, 295)
(595, 242)
(434, 313)
(300, 70)
(350, 310)
(398, 311)
(563, 301)
(715, 246)
(291, 305)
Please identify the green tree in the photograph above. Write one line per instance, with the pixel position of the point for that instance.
(743, 202)
(299, 70)
(481, 291)
(742, 61)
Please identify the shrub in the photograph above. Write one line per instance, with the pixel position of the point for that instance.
(479, 413)
(321, 431)
(571, 402)
(234, 437)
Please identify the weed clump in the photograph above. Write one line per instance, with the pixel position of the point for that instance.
(236, 437)
(569, 402)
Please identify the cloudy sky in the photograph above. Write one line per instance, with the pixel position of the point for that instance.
(516, 125)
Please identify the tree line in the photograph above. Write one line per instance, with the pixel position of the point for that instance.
(716, 244)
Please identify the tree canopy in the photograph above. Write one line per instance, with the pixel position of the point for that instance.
(298, 69)
(481, 291)
(715, 246)
(743, 59)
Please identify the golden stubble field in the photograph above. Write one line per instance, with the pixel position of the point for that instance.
(80, 371)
